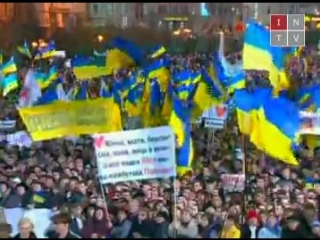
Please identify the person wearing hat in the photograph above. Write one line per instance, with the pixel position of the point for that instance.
(252, 227)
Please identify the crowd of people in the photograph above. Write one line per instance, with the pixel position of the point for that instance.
(61, 175)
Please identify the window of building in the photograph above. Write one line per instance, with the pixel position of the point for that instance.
(269, 10)
(162, 9)
(225, 11)
(184, 9)
(95, 9)
(110, 9)
(174, 9)
(145, 9)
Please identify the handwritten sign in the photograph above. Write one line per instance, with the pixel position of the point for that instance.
(135, 155)
(233, 182)
(215, 117)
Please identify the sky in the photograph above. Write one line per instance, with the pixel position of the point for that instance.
(204, 12)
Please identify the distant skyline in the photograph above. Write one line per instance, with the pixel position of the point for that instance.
(204, 11)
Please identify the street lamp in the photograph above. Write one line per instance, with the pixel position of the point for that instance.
(100, 38)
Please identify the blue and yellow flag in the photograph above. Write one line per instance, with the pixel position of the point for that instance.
(124, 50)
(9, 67)
(158, 51)
(46, 52)
(9, 83)
(25, 50)
(256, 49)
(237, 82)
(282, 125)
(180, 121)
(159, 71)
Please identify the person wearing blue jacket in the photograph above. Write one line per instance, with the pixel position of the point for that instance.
(272, 228)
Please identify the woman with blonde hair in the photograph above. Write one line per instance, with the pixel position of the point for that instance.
(25, 229)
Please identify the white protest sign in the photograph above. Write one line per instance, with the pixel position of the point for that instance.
(7, 125)
(21, 139)
(233, 182)
(214, 117)
(135, 155)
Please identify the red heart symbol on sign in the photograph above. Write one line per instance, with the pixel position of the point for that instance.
(221, 111)
(99, 141)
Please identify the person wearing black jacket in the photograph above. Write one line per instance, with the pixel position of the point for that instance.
(294, 229)
(25, 229)
(62, 223)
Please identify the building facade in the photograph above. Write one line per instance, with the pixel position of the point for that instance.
(6, 12)
(62, 15)
(224, 14)
(118, 14)
(170, 15)
(262, 11)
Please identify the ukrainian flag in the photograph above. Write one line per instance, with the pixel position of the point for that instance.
(280, 129)
(158, 51)
(40, 78)
(127, 51)
(50, 95)
(9, 67)
(277, 74)
(24, 50)
(46, 52)
(256, 49)
(167, 104)
(182, 78)
(159, 70)
(180, 123)
(185, 92)
(237, 82)
(133, 103)
(244, 103)
(247, 105)
(87, 68)
(52, 75)
(9, 83)
(306, 98)
(215, 88)
(218, 68)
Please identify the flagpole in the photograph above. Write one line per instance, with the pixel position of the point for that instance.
(244, 171)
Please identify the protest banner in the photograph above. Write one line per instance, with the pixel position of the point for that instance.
(135, 155)
(214, 117)
(233, 182)
(61, 119)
